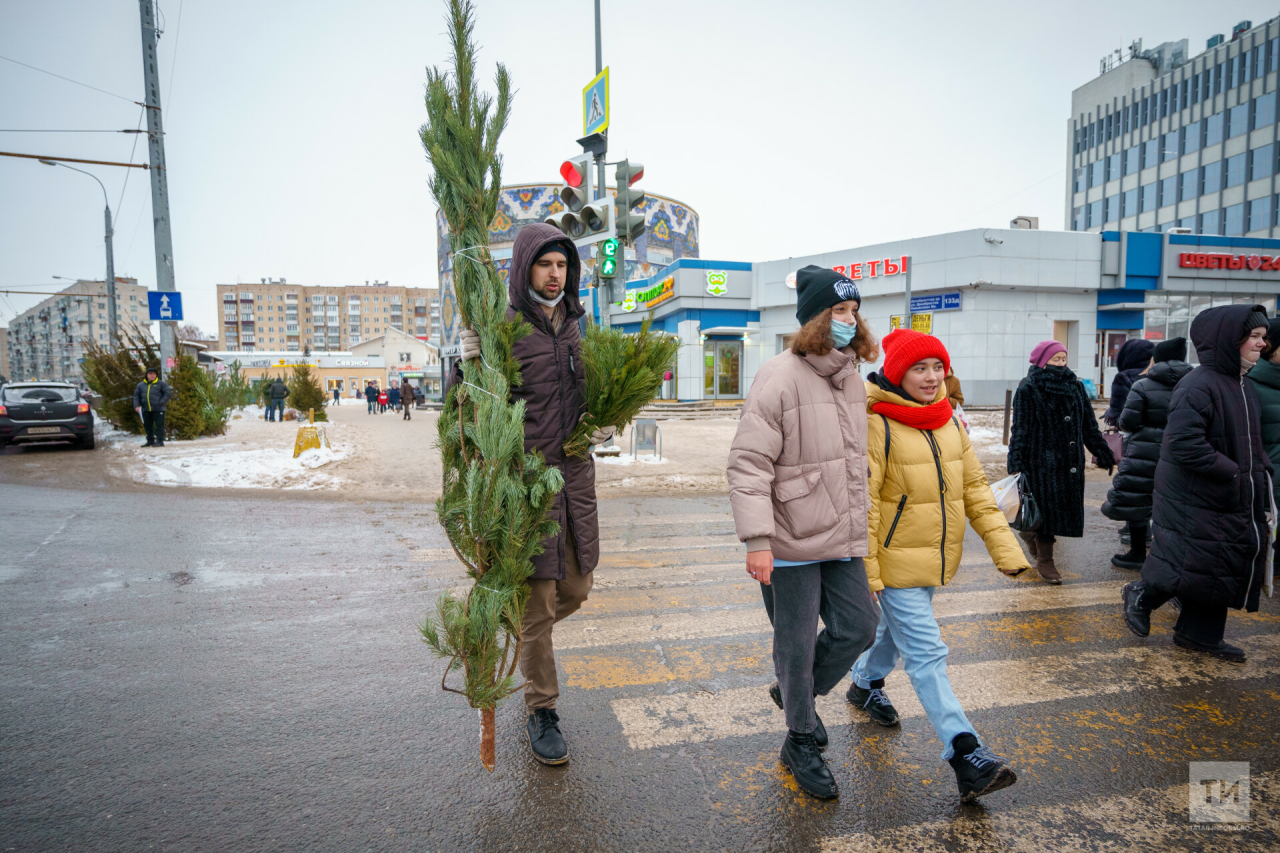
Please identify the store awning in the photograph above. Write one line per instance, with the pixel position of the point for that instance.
(728, 330)
(1133, 306)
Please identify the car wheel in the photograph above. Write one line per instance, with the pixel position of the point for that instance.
(86, 443)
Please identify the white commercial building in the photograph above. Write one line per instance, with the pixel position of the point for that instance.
(405, 357)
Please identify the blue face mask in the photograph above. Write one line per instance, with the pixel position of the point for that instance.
(842, 333)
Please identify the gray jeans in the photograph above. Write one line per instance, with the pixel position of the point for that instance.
(807, 666)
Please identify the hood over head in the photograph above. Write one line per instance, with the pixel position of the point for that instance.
(1134, 354)
(1217, 333)
(1169, 372)
(532, 242)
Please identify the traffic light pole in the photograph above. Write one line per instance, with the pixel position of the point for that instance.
(602, 192)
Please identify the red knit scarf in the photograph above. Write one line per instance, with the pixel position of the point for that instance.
(932, 416)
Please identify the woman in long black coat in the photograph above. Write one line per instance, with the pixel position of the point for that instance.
(1053, 423)
(1211, 490)
(1146, 411)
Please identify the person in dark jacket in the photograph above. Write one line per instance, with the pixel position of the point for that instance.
(1211, 490)
(407, 396)
(393, 396)
(543, 291)
(1146, 411)
(371, 395)
(149, 400)
(1131, 359)
(1265, 377)
(1053, 423)
(279, 391)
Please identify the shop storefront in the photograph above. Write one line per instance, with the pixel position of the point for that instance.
(335, 370)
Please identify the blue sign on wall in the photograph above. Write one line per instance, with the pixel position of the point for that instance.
(936, 302)
(165, 304)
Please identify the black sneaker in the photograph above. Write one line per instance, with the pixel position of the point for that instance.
(1129, 561)
(875, 702)
(544, 737)
(979, 770)
(800, 755)
(1137, 617)
(1225, 651)
(819, 733)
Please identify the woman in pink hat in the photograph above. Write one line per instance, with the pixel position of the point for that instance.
(1053, 424)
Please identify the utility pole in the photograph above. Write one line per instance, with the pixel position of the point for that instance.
(600, 188)
(159, 179)
(602, 192)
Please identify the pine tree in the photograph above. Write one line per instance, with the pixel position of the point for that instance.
(184, 416)
(305, 392)
(115, 373)
(496, 496)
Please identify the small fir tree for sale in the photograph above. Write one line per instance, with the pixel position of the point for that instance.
(114, 373)
(194, 410)
(495, 495)
(305, 392)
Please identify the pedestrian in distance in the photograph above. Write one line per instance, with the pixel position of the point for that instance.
(337, 396)
(393, 397)
(924, 480)
(798, 488)
(279, 393)
(542, 291)
(1212, 490)
(1053, 424)
(1145, 414)
(382, 402)
(955, 396)
(407, 397)
(268, 413)
(371, 396)
(150, 397)
(1265, 377)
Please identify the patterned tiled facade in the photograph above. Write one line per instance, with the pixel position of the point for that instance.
(671, 233)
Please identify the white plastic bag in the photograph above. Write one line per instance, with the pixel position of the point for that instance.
(1007, 497)
(964, 421)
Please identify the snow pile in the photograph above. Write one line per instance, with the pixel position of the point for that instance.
(189, 464)
(628, 459)
(988, 440)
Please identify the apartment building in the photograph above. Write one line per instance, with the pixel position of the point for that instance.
(276, 316)
(4, 355)
(47, 341)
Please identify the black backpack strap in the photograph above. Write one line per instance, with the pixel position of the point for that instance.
(886, 437)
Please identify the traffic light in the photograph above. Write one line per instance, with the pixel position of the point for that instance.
(609, 258)
(630, 224)
(582, 220)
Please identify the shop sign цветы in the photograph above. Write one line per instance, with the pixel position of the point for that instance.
(1217, 261)
(874, 269)
(919, 323)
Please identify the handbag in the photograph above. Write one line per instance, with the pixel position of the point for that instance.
(1029, 516)
(1115, 441)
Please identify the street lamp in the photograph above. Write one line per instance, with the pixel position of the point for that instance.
(111, 263)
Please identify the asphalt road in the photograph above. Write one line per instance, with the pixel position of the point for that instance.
(188, 671)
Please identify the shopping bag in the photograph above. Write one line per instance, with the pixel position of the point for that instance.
(1269, 573)
(1115, 441)
(1029, 516)
(1006, 494)
(964, 421)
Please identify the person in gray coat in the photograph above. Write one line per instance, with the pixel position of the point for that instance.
(149, 400)
(279, 391)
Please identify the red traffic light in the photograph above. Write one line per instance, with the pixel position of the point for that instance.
(569, 172)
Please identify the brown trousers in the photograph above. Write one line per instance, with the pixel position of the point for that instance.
(549, 602)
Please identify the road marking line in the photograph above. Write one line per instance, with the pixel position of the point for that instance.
(593, 632)
(681, 718)
(1153, 819)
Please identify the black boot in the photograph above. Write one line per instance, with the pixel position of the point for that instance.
(1136, 614)
(875, 702)
(978, 770)
(819, 733)
(544, 737)
(1223, 650)
(800, 755)
(1131, 561)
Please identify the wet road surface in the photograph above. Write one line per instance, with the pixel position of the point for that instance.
(186, 671)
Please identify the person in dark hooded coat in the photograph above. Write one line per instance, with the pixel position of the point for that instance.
(1211, 490)
(1131, 359)
(1146, 411)
(542, 290)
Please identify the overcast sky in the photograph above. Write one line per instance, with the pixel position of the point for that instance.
(792, 128)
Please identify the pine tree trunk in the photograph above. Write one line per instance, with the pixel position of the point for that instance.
(487, 750)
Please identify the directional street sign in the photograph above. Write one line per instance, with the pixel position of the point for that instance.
(165, 304)
(595, 104)
(936, 302)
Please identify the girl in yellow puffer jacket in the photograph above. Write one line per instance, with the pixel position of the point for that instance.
(924, 481)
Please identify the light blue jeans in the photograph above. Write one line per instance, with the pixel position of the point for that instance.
(908, 629)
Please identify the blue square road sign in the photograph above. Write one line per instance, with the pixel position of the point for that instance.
(165, 304)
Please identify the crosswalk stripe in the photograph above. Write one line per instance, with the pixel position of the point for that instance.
(582, 633)
(1154, 819)
(697, 717)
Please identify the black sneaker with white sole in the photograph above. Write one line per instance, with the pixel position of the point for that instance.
(545, 739)
(819, 733)
(978, 770)
(875, 702)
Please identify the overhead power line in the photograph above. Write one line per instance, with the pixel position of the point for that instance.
(27, 130)
(68, 79)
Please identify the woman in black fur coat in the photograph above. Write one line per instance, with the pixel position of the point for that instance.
(1146, 411)
(1053, 423)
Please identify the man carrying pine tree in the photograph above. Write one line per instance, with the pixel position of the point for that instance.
(543, 291)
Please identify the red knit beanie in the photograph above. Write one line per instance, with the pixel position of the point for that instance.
(904, 347)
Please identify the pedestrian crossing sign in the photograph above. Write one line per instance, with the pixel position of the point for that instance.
(595, 104)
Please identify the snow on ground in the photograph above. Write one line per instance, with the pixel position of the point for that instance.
(254, 454)
(628, 459)
(987, 440)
